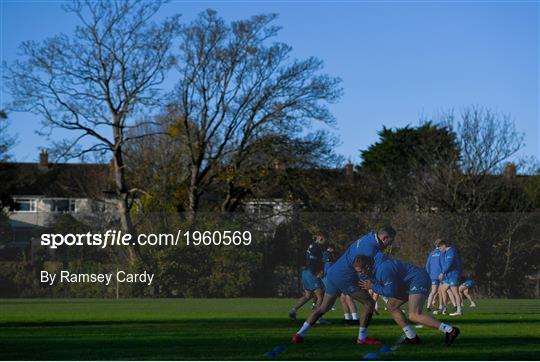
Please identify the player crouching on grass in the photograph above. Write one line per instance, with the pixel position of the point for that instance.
(402, 283)
(343, 278)
(465, 290)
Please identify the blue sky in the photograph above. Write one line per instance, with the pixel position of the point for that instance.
(398, 60)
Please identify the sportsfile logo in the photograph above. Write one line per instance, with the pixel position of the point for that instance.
(121, 238)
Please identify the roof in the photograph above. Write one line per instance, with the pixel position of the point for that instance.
(58, 180)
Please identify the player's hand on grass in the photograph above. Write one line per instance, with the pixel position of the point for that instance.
(365, 284)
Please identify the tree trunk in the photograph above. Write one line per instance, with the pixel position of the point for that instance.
(226, 204)
(193, 196)
(122, 205)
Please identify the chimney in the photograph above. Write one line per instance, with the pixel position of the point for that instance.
(349, 169)
(44, 159)
(510, 171)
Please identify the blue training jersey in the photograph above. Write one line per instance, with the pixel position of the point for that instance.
(434, 263)
(451, 263)
(343, 269)
(392, 277)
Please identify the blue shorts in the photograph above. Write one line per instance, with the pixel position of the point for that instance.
(451, 280)
(330, 288)
(435, 282)
(310, 281)
(336, 287)
(420, 284)
(468, 283)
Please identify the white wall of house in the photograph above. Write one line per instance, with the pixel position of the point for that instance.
(33, 211)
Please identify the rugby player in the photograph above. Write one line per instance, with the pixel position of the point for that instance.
(312, 274)
(450, 275)
(402, 283)
(343, 278)
(434, 269)
(464, 290)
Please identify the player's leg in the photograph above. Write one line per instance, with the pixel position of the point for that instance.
(436, 299)
(368, 307)
(443, 295)
(454, 290)
(416, 302)
(345, 306)
(432, 294)
(394, 307)
(352, 307)
(328, 300)
(467, 294)
(300, 303)
(319, 296)
(461, 289)
(326, 304)
(452, 298)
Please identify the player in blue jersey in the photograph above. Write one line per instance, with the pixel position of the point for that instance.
(402, 283)
(465, 290)
(343, 278)
(450, 275)
(312, 274)
(434, 269)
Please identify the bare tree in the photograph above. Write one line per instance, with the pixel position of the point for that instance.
(480, 192)
(98, 81)
(7, 141)
(235, 88)
(487, 141)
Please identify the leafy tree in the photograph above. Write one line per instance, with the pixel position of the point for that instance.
(395, 163)
(403, 150)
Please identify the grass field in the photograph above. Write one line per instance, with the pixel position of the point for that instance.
(172, 329)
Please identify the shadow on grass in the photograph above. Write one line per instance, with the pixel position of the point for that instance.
(245, 339)
(244, 322)
(234, 347)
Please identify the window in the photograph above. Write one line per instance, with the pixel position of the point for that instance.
(25, 205)
(62, 205)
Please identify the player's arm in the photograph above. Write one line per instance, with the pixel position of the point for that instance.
(385, 284)
(367, 249)
(448, 261)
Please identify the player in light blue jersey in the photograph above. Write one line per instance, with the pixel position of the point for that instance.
(434, 269)
(450, 275)
(343, 278)
(402, 283)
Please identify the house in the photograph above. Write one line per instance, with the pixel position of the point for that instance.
(42, 191)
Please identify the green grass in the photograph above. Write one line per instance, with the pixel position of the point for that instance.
(172, 329)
